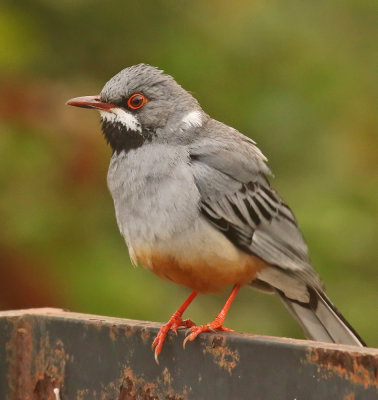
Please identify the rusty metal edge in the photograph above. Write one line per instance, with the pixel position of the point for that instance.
(354, 364)
(95, 319)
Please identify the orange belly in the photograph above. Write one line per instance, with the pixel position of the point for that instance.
(203, 275)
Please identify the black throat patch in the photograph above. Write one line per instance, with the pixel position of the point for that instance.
(122, 139)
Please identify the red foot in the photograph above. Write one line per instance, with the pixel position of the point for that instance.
(173, 324)
(217, 324)
(194, 331)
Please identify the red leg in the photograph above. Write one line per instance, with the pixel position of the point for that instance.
(217, 324)
(174, 323)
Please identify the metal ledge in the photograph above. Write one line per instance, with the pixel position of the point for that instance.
(51, 354)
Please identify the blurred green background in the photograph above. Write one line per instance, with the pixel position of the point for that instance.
(299, 77)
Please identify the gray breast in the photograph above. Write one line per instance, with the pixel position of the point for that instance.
(154, 193)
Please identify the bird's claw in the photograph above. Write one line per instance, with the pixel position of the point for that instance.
(173, 324)
(194, 331)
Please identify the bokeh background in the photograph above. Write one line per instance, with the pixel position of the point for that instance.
(299, 77)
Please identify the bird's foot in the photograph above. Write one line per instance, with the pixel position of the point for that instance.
(194, 331)
(173, 324)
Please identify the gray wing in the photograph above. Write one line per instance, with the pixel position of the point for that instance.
(236, 198)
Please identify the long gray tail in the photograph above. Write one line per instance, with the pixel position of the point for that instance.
(320, 319)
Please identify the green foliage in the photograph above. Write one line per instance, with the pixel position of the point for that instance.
(298, 77)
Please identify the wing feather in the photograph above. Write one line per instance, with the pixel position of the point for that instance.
(254, 217)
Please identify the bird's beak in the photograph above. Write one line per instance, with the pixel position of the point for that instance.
(90, 102)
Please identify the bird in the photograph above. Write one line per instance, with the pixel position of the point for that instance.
(194, 204)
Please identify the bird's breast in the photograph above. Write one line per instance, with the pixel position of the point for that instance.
(154, 193)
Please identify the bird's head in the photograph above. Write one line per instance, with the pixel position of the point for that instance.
(141, 104)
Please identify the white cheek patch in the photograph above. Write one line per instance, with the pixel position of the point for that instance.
(193, 119)
(117, 115)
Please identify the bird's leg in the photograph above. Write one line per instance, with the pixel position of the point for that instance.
(173, 324)
(217, 324)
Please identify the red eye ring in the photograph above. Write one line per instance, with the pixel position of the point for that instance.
(136, 101)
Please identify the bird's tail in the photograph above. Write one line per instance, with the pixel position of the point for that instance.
(320, 319)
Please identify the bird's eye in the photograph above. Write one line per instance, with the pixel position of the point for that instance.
(136, 101)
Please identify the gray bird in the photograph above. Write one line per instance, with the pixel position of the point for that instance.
(194, 205)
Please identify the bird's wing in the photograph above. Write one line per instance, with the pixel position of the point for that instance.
(236, 198)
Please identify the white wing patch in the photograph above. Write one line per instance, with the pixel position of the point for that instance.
(126, 119)
(193, 119)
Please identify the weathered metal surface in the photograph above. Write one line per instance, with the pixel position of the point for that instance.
(50, 354)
